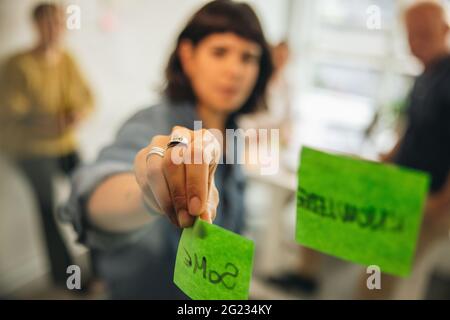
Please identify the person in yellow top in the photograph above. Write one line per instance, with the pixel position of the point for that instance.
(43, 97)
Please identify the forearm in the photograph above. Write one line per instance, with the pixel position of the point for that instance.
(117, 205)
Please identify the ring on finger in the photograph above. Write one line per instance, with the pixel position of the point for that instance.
(176, 140)
(155, 150)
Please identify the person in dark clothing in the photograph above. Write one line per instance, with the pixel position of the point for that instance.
(425, 144)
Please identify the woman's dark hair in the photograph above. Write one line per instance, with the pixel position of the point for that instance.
(220, 16)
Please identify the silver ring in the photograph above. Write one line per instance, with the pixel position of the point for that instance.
(155, 150)
(177, 140)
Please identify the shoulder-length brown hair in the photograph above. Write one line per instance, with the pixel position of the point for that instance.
(220, 16)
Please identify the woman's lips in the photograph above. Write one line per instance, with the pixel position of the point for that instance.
(229, 91)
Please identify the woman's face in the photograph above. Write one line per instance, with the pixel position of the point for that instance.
(223, 69)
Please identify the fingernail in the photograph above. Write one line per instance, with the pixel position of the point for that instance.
(182, 218)
(206, 217)
(195, 205)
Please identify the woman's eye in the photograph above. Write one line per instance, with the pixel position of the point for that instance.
(219, 52)
(250, 58)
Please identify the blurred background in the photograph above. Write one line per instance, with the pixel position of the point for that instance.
(347, 89)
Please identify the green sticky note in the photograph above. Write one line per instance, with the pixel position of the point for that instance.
(213, 263)
(362, 211)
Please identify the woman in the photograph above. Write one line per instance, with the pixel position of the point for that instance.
(134, 200)
(43, 99)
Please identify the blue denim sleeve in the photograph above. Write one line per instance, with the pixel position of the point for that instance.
(116, 158)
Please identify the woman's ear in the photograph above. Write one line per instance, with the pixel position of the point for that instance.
(186, 52)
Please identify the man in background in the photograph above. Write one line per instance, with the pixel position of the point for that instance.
(425, 144)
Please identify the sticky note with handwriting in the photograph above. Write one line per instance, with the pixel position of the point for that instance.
(213, 263)
(366, 212)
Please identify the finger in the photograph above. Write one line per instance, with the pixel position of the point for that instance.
(209, 214)
(175, 175)
(156, 180)
(186, 220)
(204, 150)
(211, 207)
(214, 154)
(196, 181)
(140, 169)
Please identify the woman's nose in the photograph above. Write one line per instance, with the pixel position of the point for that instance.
(234, 67)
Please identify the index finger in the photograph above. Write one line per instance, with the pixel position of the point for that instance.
(200, 171)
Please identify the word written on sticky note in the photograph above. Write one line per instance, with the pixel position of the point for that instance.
(213, 263)
(366, 212)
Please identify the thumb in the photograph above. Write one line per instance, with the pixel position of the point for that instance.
(212, 203)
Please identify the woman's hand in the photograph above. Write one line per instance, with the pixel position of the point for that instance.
(181, 184)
